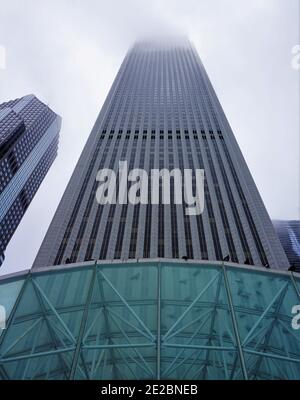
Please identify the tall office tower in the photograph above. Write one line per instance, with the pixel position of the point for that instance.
(162, 112)
(289, 236)
(29, 133)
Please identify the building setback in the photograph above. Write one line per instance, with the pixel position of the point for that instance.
(29, 133)
(162, 112)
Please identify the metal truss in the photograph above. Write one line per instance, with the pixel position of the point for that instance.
(152, 320)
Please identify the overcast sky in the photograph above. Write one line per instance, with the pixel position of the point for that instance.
(67, 53)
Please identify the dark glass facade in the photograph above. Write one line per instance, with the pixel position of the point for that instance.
(29, 133)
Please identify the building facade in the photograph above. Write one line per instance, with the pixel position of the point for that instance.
(29, 133)
(289, 235)
(162, 113)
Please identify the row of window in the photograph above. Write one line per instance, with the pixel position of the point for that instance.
(145, 131)
(144, 137)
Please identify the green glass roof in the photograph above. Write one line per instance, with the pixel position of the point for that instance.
(150, 320)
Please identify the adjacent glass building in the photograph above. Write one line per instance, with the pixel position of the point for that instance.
(162, 112)
(29, 133)
(289, 235)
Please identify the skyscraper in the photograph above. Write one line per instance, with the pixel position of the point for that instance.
(162, 112)
(289, 236)
(29, 133)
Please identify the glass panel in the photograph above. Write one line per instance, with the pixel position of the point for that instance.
(263, 304)
(121, 314)
(297, 280)
(197, 324)
(9, 291)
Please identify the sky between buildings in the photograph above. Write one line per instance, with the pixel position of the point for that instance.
(67, 53)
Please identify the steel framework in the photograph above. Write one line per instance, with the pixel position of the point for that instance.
(150, 320)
